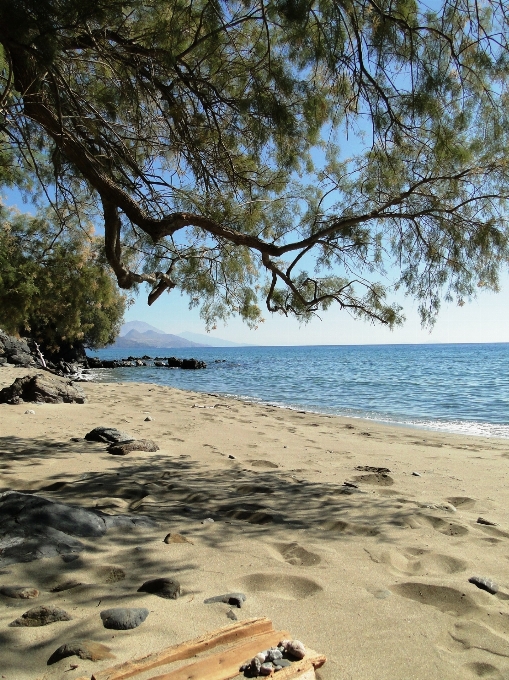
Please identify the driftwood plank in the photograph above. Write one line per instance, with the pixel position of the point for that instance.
(185, 650)
(225, 665)
(304, 669)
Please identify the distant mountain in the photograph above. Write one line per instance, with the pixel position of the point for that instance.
(140, 326)
(209, 340)
(152, 338)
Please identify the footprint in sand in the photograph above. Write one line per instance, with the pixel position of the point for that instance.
(473, 635)
(263, 464)
(492, 531)
(444, 526)
(463, 502)
(293, 553)
(411, 561)
(351, 528)
(281, 586)
(109, 574)
(447, 600)
(479, 669)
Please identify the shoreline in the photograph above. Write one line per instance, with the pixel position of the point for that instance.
(359, 565)
(297, 408)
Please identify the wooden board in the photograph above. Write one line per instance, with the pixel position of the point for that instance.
(242, 640)
(186, 650)
(225, 665)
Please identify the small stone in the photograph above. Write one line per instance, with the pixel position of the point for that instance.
(416, 474)
(86, 649)
(231, 615)
(231, 457)
(162, 587)
(274, 654)
(234, 599)
(148, 419)
(293, 648)
(176, 538)
(124, 618)
(487, 522)
(19, 592)
(255, 666)
(41, 616)
(66, 585)
(382, 594)
(484, 583)
(30, 411)
(207, 520)
(266, 668)
(281, 663)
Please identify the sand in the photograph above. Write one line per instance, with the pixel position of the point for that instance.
(374, 577)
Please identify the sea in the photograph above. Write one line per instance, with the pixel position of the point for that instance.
(461, 388)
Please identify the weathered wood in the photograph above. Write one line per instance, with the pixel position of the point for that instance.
(304, 669)
(225, 665)
(186, 650)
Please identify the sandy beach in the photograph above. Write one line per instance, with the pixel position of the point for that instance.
(373, 573)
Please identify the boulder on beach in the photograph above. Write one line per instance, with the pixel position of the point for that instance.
(33, 527)
(40, 389)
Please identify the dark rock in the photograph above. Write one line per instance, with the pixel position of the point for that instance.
(193, 364)
(19, 592)
(42, 389)
(160, 364)
(32, 527)
(108, 435)
(41, 616)
(162, 587)
(136, 445)
(124, 618)
(84, 649)
(370, 468)
(173, 362)
(484, 583)
(94, 362)
(234, 599)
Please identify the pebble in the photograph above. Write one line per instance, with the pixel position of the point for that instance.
(148, 419)
(19, 592)
(231, 457)
(266, 668)
(231, 615)
(293, 648)
(207, 520)
(484, 583)
(382, 594)
(30, 411)
(487, 522)
(124, 618)
(85, 649)
(416, 474)
(162, 587)
(236, 599)
(176, 538)
(41, 616)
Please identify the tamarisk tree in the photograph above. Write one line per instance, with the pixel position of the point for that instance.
(286, 150)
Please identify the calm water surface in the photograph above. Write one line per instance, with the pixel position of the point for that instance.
(456, 388)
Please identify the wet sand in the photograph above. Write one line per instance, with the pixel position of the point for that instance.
(374, 573)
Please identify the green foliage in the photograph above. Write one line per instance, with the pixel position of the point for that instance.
(54, 285)
(283, 149)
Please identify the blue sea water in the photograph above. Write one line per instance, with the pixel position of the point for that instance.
(461, 388)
